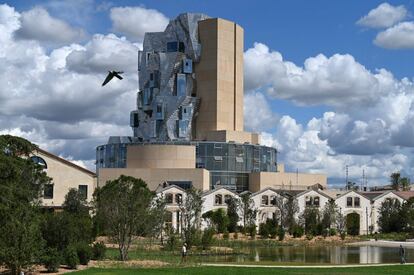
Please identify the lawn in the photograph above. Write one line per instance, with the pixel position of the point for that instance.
(399, 269)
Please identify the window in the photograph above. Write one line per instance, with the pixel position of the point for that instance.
(39, 161)
(134, 119)
(227, 198)
(181, 85)
(178, 198)
(265, 200)
(218, 199)
(48, 191)
(349, 202)
(175, 46)
(187, 66)
(168, 219)
(169, 198)
(308, 201)
(357, 202)
(316, 201)
(83, 191)
(273, 200)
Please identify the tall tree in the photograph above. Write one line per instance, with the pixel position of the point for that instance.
(190, 209)
(233, 206)
(390, 216)
(395, 180)
(248, 210)
(288, 208)
(405, 184)
(21, 184)
(329, 214)
(123, 204)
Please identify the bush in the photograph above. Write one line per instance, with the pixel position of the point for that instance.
(51, 260)
(236, 236)
(281, 234)
(226, 235)
(98, 251)
(298, 231)
(332, 232)
(252, 231)
(172, 242)
(263, 231)
(343, 236)
(71, 257)
(84, 252)
(207, 238)
(309, 237)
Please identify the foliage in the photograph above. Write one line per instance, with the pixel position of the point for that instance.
(21, 183)
(251, 229)
(270, 227)
(84, 252)
(226, 235)
(311, 221)
(158, 214)
(98, 251)
(218, 219)
(190, 209)
(332, 232)
(288, 207)
(352, 224)
(395, 180)
(298, 231)
(233, 206)
(248, 210)
(391, 216)
(340, 223)
(71, 257)
(75, 204)
(329, 214)
(207, 239)
(172, 239)
(281, 233)
(123, 204)
(51, 259)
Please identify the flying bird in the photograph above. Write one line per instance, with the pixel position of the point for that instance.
(111, 75)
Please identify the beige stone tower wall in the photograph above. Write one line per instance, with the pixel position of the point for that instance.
(219, 76)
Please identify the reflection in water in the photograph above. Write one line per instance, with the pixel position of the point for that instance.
(316, 255)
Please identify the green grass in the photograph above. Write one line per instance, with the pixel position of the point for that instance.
(251, 271)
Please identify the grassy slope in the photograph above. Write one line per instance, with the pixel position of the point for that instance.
(251, 271)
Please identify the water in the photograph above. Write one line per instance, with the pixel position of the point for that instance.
(315, 255)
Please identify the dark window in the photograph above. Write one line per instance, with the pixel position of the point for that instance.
(175, 47)
(265, 200)
(218, 199)
(316, 201)
(357, 202)
(349, 201)
(83, 191)
(227, 198)
(40, 161)
(48, 191)
(308, 201)
(182, 184)
(169, 198)
(178, 198)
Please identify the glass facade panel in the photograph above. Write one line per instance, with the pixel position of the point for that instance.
(181, 85)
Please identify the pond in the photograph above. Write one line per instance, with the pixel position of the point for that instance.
(315, 255)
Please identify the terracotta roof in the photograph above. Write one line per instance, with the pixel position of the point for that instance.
(66, 162)
(405, 194)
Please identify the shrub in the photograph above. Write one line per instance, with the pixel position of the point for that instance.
(281, 234)
(343, 235)
(332, 232)
(236, 236)
(309, 237)
(98, 251)
(298, 231)
(207, 238)
(84, 252)
(252, 230)
(263, 231)
(325, 232)
(71, 257)
(51, 260)
(226, 235)
(172, 242)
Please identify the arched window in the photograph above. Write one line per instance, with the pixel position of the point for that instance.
(218, 199)
(265, 200)
(40, 161)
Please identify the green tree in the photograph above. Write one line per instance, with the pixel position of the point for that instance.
(288, 208)
(124, 203)
(311, 220)
(190, 209)
(329, 214)
(21, 184)
(248, 210)
(233, 206)
(218, 218)
(405, 184)
(158, 215)
(391, 218)
(395, 180)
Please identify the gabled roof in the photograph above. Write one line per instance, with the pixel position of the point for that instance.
(386, 193)
(266, 189)
(65, 162)
(169, 187)
(217, 189)
(373, 195)
(317, 191)
(344, 194)
(406, 195)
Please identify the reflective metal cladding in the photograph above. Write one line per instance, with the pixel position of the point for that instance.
(166, 107)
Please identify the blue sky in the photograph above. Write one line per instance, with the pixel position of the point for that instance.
(328, 95)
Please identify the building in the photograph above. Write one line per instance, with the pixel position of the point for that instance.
(188, 125)
(65, 175)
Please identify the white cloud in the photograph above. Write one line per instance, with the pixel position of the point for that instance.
(383, 16)
(257, 113)
(400, 36)
(135, 21)
(37, 24)
(338, 81)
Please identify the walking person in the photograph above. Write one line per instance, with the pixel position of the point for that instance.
(402, 254)
(184, 253)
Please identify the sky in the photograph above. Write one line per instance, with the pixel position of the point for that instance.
(328, 83)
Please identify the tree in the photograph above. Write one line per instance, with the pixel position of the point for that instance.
(75, 203)
(405, 184)
(351, 186)
(21, 183)
(123, 204)
(248, 210)
(158, 214)
(395, 180)
(311, 220)
(329, 214)
(218, 219)
(190, 209)
(340, 223)
(288, 207)
(390, 216)
(233, 206)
